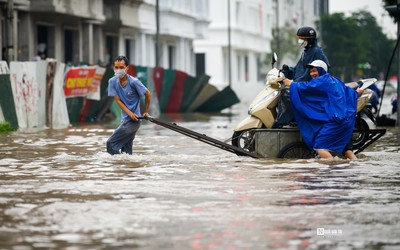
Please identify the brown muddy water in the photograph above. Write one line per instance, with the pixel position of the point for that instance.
(59, 189)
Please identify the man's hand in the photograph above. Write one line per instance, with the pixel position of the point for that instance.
(287, 82)
(146, 115)
(275, 83)
(134, 117)
(360, 91)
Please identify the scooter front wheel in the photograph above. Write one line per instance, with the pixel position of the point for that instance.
(244, 139)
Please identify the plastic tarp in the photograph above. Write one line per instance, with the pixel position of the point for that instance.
(26, 93)
(99, 109)
(74, 105)
(206, 93)
(50, 74)
(192, 88)
(167, 83)
(41, 70)
(154, 105)
(141, 74)
(221, 100)
(7, 101)
(158, 73)
(60, 117)
(131, 70)
(176, 94)
(4, 68)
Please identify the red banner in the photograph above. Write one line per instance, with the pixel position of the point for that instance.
(78, 81)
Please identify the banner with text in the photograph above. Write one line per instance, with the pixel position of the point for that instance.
(84, 81)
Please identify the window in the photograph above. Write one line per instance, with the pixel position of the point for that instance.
(246, 68)
(200, 64)
(171, 57)
(130, 50)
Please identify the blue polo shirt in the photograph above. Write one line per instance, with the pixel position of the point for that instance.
(130, 94)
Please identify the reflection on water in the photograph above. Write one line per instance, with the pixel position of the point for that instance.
(59, 189)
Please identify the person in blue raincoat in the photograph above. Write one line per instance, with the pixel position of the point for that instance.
(307, 39)
(325, 111)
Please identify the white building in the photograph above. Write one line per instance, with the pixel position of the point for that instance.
(96, 31)
(251, 24)
(193, 34)
(250, 37)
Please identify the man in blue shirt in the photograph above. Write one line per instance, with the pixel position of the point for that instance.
(127, 91)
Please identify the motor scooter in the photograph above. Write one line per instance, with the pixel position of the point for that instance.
(262, 111)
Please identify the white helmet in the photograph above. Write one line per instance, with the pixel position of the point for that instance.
(318, 63)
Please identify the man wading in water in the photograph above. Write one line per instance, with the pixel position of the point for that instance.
(127, 91)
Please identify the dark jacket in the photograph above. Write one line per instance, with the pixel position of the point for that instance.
(300, 72)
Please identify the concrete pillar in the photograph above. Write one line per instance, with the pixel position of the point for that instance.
(101, 38)
(58, 42)
(15, 35)
(87, 42)
(143, 48)
(80, 41)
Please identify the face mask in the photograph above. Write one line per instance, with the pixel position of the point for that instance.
(120, 73)
(302, 43)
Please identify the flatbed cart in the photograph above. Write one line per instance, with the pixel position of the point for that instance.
(203, 138)
(273, 143)
(287, 143)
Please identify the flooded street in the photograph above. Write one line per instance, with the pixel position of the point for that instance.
(59, 189)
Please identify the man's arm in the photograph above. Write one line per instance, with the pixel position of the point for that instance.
(147, 97)
(132, 115)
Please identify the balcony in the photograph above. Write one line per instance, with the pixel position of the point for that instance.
(91, 9)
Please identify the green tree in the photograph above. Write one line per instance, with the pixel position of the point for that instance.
(350, 42)
(284, 43)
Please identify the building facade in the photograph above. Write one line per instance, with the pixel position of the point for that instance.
(96, 31)
(239, 37)
(245, 29)
(226, 39)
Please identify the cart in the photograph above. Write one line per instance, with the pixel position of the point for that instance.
(273, 143)
(287, 143)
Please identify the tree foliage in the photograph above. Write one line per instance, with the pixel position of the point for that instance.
(350, 42)
(284, 43)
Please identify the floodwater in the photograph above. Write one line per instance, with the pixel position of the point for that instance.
(59, 189)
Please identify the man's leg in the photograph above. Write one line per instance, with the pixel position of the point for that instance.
(122, 137)
(323, 153)
(131, 129)
(348, 151)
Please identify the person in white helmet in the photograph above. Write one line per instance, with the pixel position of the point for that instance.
(325, 111)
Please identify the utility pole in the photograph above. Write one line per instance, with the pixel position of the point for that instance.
(278, 46)
(10, 31)
(394, 10)
(157, 33)
(398, 65)
(229, 44)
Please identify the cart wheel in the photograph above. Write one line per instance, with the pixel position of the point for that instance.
(244, 139)
(296, 150)
(360, 137)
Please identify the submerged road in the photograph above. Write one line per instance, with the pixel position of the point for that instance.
(59, 189)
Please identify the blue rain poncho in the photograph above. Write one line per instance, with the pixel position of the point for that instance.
(325, 111)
